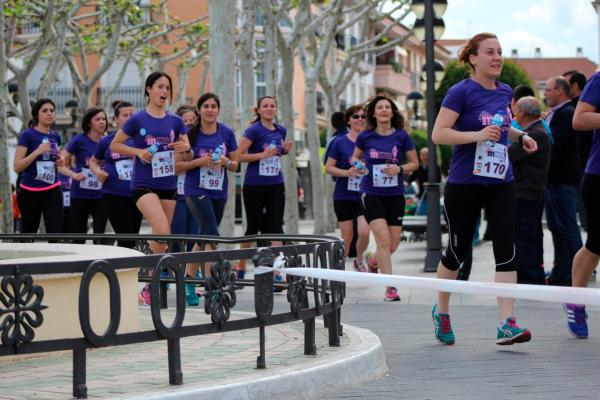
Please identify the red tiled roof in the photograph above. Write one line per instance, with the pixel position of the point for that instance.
(540, 69)
(451, 42)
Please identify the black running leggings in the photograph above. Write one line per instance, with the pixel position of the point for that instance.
(46, 203)
(264, 205)
(81, 209)
(463, 205)
(123, 215)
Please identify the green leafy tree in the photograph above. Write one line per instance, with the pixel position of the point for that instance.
(512, 74)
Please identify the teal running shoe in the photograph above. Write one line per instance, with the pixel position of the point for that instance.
(510, 333)
(442, 327)
(191, 298)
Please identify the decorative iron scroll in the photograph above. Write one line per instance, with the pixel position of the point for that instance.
(21, 306)
(263, 284)
(220, 292)
(297, 294)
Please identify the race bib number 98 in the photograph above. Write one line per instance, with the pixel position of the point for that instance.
(90, 181)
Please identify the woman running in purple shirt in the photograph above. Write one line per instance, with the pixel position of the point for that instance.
(346, 194)
(159, 140)
(114, 171)
(475, 118)
(261, 147)
(36, 159)
(388, 152)
(586, 118)
(86, 188)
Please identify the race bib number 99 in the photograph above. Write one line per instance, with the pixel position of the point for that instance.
(211, 179)
(163, 164)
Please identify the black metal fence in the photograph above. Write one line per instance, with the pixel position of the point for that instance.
(22, 307)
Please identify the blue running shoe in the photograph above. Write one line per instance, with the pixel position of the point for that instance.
(510, 333)
(442, 326)
(576, 320)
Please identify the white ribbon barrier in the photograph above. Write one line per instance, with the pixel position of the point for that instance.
(558, 294)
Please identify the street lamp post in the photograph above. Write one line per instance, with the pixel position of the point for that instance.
(428, 20)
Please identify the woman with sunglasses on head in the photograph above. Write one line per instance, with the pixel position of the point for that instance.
(475, 118)
(159, 140)
(346, 194)
(385, 145)
(37, 160)
(86, 187)
(261, 147)
(214, 150)
(114, 171)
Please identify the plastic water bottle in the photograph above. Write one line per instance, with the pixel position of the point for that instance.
(497, 120)
(358, 165)
(273, 145)
(152, 149)
(216, 156)
(47, 154)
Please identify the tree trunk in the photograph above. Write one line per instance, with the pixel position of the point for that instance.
(247, 82)
(286, 107)
(222, 15)
(6, 220)
(331, 221)
(316, 172)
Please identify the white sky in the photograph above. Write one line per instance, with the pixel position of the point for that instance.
(558, 27)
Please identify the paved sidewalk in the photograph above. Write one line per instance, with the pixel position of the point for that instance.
(221, 365)
(552, 366)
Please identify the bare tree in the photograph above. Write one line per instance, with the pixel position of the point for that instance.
(287, 43)
(43, 19)
(319, 43)
(335, 76)
(5, 189)
(222, 15)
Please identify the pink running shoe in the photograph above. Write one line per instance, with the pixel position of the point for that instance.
(144, 296)
(360, 267)
(391, 294)
(371, 262)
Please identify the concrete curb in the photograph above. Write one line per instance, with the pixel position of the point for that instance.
(361, 361)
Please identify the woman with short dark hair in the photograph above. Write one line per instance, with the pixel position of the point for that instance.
(86, 188)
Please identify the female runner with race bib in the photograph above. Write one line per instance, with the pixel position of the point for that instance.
(384, 146)
(261, 147)
(86, 189)
(36, 159)
(346, 194)
(215, 153)
(475, 118)
(114, 172)
(158, 140)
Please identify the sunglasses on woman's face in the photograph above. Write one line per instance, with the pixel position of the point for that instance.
(358, 116)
